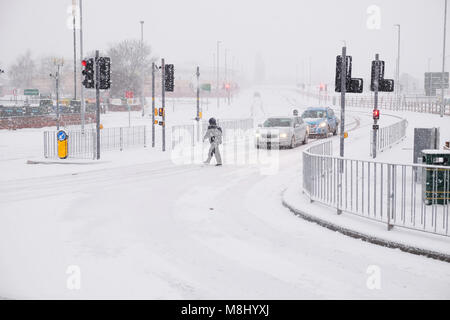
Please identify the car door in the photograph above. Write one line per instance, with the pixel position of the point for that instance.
(331, 119)
(302, 128)
(297, 128)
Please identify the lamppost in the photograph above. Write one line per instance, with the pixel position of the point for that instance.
(217, 84)
(142, 72)
(443, 61)
(397, 80)
(58, 62)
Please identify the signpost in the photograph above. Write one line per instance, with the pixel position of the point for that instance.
(31, 92)
(129, 95)
(62, 144)
(433, 81)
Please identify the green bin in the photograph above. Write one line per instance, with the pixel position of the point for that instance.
(436, 182)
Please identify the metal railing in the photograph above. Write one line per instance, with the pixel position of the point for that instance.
(411, 196)
(390, 135)
(84, 145)
(385, 101)
(190, 133)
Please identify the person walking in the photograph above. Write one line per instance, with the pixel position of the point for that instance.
(214, 134)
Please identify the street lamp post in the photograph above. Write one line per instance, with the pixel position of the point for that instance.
(443, 62)
(58, 63)
(142, 73)
(397, 80)
(83, 105)
(217, 84)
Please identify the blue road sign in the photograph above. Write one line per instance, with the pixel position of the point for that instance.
(61, 135)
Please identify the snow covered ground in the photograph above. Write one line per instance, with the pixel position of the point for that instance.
(137, 225)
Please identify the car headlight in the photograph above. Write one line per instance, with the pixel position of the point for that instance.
(283, 135)
(322, 124)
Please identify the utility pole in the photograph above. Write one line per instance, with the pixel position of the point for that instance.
(163, 104)
(83, 105)
(375, 107)
(143, 76)
(74, 5)
(443, 62)
(153, 104)
(97, 100)
(198, 103)
(217, 84)
(397, 80)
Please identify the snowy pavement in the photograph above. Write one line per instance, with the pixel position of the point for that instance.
(139, 226)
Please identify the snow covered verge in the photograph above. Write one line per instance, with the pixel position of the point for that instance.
(430, 245)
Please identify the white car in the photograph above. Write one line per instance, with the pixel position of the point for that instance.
(284, 131)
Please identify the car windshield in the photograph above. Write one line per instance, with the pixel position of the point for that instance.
(277, 122)
(314, 114)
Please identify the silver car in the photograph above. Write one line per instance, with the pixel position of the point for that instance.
(285, 131)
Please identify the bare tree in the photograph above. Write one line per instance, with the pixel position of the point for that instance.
(22, 72)
(129, 63)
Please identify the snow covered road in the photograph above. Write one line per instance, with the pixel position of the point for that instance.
(159, 230)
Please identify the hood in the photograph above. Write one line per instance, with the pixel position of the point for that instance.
(274, 129)
(314, 120)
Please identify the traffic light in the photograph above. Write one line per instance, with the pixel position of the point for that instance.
(104, 66)
(384, 85)
(352, 85)
(88, 73)
(376, 114)
(161, 112)
(169, 77)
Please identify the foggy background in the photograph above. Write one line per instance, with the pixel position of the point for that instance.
(287, 35)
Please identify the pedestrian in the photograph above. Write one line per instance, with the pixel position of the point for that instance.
(214, 134)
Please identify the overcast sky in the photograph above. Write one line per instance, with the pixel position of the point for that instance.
(285, 32)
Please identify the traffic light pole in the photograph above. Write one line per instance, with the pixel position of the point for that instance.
(343, 88)
(163, 104)
(375, 107)
(97, 100)
(153, 104)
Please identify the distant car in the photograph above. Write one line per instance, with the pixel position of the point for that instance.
(285, 131)
(321, 120)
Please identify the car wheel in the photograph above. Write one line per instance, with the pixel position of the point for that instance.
(292, 146)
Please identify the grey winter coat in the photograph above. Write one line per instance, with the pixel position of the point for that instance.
(214, 134)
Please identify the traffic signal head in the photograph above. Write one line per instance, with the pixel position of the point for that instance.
(161, 111)
(376, 114)
(88, 73)
(104, 66)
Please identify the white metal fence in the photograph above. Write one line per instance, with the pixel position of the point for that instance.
(190, 133)
(386, 101)
(411, 196)
(84, 145)
(390, 135)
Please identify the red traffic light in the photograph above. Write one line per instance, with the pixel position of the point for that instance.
(84, 63)
(376, 114)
